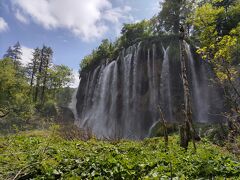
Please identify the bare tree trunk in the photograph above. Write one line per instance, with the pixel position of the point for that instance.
(188, 131)
(164, 127)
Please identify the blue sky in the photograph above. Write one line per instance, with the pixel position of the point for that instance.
(73, 28)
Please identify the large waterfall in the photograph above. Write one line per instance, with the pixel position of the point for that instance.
(165, 87)
(119, 98)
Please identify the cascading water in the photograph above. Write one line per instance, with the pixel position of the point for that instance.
(165, 91)
(165, 88)
(119, 99)
(72, 105)
(200, 89)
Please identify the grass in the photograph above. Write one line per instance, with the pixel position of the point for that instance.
(45, 155)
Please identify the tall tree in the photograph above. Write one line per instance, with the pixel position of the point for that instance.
(17, 51)
(39, 76)
(60, 76)
(187, 129)
(173, 12)
(9, 53)
(33, 65)
(217, 28)
(47, 58)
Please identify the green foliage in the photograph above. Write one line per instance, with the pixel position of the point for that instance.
(20, 86)
(217, 30)
(103, 52)
(48, 81)
(172, 14)
(59, 78)
(14, 91)
(131, 33)
(64, 96)
(43, 155)
(49, 109)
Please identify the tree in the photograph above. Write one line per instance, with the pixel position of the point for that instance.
(47, 58)
(17, 51)
(14, 90)
(60, 76)
(9, 53)
(217, 28)
(42, 60)
(131, 33)
(173, 13)
(104, 51)
(220, 49)
(33, 65)
(187, 131)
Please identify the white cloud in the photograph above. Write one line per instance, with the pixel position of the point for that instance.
(21, 17)
(115, 14)
(3, 25)
(86, 19)
(26, 55)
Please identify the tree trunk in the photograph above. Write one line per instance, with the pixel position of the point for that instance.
(44, 80)
(189, 132)
(164, 127)
(39, 76)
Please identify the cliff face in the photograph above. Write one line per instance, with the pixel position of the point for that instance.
(120, 98)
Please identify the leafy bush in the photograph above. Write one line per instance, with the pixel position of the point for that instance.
(44, 155)
(103, 52)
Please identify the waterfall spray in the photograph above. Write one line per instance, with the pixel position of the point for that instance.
(72, 105)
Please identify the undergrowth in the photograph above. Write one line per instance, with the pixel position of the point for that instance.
(45, 155)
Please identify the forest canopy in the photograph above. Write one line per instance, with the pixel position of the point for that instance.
(32, 90)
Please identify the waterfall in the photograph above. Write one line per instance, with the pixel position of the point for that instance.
(151, 128)
(127, 61)
(165, 88)
(200, 89)
(97, 117)
(119, 98)
(72, 105)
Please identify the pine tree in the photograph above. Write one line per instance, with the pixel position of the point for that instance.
(33, 68)
(17, 54)
(47, 58)
(39, 74)
(44, 57)
(9, 53)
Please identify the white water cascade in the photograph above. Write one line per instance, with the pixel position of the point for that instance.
(200, 89)
(165, 87)
(72, 105)
(119, 98)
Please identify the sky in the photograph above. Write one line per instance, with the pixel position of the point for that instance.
(72, 28)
